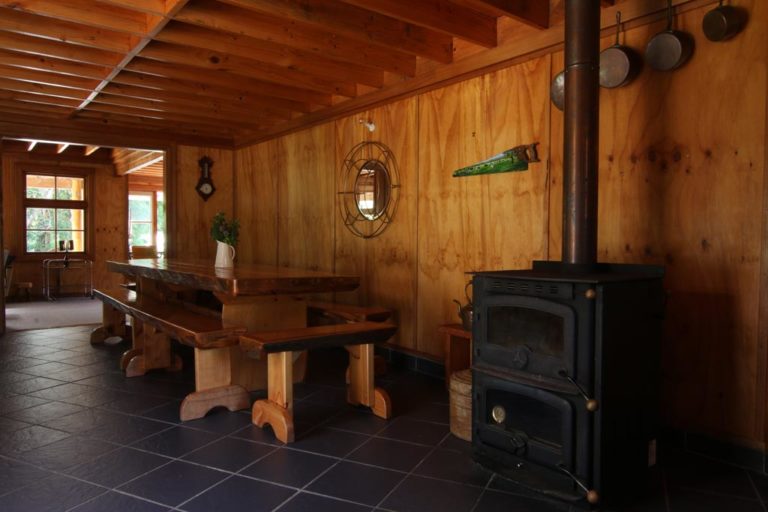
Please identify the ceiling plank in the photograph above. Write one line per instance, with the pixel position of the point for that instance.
(45, 89)
(52, 65)
(440, 15)
(89, 150)
(241, 23)
(174, 128)
(84, 12)
(153, 27)
(160, 86)
(212, 49)
(38, 98)
(132, 160)
(60, 148)
(31, 145)
(225, 79)
(47, 78)
(532, 12)
(73, 33)
(48, 48)
(150, 6)
(358, 24)
(215, 62)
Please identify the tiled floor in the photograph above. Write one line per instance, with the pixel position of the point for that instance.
(76, 435)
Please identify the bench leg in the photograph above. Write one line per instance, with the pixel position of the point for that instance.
(362, 390)
(277, 410)
(213, 386)
(137, 344)
(113, 324)
(156, 353)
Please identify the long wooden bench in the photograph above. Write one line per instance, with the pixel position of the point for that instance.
(156, 323)
(339, 313)
(277, 346)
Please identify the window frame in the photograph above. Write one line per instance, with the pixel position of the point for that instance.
(152, 194)
(85, 205)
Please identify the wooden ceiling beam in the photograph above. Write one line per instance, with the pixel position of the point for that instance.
(45, 89)
(84, 12)
(47, 48)
(60, 148)
(360, 24)
(38, 98)
(213, 50)
(439, 15)
(31, 145)
(532, 12)
(9, 106)
(156, 7)
(50, 64)
(239, 23)
(225, 79)
(64, 31)
(142, 85)
(47, 78)
(173, 128)
(132, 160)
(89, 150)
(214, 62)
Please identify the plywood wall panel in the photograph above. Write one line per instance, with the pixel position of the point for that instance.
(192, 239)
(387, 262)
(256, 200)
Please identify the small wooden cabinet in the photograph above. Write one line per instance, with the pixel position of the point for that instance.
(458, 349)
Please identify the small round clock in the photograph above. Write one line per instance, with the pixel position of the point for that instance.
(204, 185)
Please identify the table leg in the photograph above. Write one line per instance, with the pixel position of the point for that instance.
(213, 386)
(113, 324)
(277, 410)
(362, 389)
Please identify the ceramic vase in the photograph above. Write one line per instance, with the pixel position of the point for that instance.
(225, 255)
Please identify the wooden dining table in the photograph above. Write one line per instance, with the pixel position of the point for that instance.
(248, 297)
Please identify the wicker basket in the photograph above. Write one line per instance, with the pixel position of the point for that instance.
(461, 404)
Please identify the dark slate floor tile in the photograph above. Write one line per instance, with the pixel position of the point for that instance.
(75, 373)
(325, 441)
(168, 412)
(48, 369)
(305, 502)
(456, 466)
(390, 454)
(358, 483)
(417, 494)
(60, 392)
(8, 425)
(44, 412)
(289, 467)
(117, 467)
(116, 502)
(327, 395)
(54, 494)
(310, 414)
(433, 412)
(221, 421)
(11, 377)
(18, 402)
(176, 441)
(494, 501)
(258, 434)
(33, 384)
(29, 438)
(688, 500)
(15, 474)
(691, 471)
(414, 431)
(761, 484)
(134, 404)
(229, 454)
(19, 363)
(358, 421)
(173, 483)
(67, 453)
(239, 494)
(83, 421)
(126, 429)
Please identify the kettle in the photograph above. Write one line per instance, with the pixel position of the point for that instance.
(465, 312)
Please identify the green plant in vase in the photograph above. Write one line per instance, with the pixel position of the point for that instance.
(225, 233)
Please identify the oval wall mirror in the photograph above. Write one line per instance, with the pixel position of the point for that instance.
(368, 189)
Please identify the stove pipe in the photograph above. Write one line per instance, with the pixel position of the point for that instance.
(581, 131)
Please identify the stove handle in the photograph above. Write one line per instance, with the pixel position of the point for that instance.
(592, 496)
(592, 405)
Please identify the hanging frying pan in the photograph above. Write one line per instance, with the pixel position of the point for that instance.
(557, 90)
(619, 64)
(723, 22)
(670, 49)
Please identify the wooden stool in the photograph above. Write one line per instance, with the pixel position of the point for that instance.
(26, 286)
(458, 349)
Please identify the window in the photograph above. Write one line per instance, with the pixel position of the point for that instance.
(146, 219)
(55, 212)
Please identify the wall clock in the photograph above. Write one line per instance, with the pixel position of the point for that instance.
(204, 185)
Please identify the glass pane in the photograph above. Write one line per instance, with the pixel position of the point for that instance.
(141, 234)
(140, 208)
(535, 418)
(539, 331)
(160, 239)
(40, 218)
(77, 238)
(40, 187)
(70, 188)
(70, 219)
(40, 241)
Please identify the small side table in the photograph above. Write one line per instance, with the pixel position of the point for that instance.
(458, 349)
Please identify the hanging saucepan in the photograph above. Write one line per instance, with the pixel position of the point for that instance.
(619, 64)
(557, 90)
(723, 22)
(670, 49)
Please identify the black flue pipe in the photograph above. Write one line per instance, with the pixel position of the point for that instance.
(581, 131)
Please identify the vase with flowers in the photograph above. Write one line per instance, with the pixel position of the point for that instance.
(225, 233)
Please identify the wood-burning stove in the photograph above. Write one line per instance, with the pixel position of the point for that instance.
(566, 376)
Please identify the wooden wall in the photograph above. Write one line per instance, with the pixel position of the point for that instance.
(682, 179)
(109, 209)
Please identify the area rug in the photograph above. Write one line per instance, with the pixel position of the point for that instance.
(21, 316)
